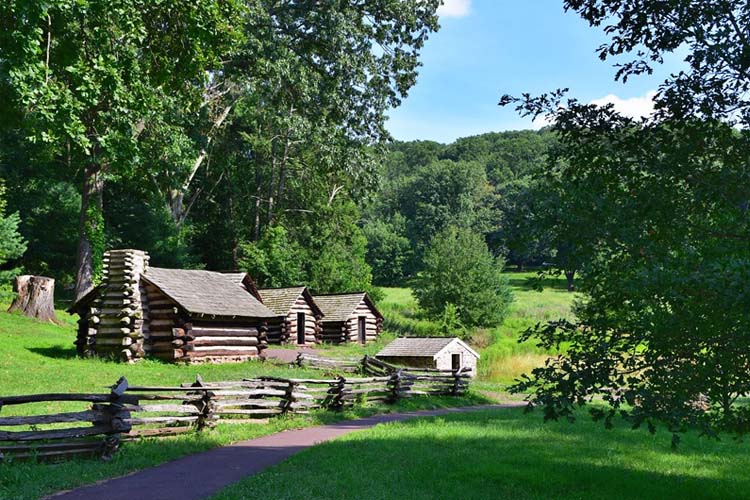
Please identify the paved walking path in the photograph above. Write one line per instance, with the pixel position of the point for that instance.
(203, 474)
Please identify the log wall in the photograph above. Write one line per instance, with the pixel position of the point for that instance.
(312, 323)
(114, 322)
(373, 324)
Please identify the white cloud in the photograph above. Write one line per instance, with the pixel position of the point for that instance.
(454, 8)
(634, 107)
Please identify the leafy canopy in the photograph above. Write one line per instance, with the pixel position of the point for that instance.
(663, 206)
(461, 276)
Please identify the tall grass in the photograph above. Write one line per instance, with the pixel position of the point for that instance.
(503, 357)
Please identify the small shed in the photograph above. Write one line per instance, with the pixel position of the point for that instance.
(299, 316)
(349, 317)
(442, 353)
(171, 314)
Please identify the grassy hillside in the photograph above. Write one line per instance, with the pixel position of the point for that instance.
(503, 358)
(40, 357)
(506, 454)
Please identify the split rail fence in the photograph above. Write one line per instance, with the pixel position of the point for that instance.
(128, 412)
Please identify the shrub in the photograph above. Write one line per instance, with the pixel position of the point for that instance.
(460, 270)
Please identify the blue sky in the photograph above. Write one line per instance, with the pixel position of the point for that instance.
(487, 48)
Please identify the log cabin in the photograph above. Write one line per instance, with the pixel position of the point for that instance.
(349, 317)
(170, 314)
(299, 316)
(442, 353)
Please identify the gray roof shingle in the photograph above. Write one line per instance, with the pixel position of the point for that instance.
(280, 300)
(207, 292)
(339, 307)
(415, 347)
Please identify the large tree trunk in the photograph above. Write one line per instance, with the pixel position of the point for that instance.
(570, 277)
(35, 297)
(89, 226)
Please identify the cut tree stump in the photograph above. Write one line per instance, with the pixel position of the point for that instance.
(35, 297)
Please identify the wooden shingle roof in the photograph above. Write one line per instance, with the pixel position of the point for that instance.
(420, 347)
(281, 300)
(207, 292)
(339, 307)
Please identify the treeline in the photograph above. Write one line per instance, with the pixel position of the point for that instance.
(493, 184)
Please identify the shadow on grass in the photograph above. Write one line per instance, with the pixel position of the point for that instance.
(56, 352)
(504, 454)
(522, 281)
(28, 479)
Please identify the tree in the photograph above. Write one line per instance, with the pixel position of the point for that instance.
(388, 250)
(441, 194)
(12, 244)
(274, 261)
(87, 78)
(460, 270)
(662, 332)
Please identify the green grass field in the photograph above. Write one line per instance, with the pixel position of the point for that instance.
(503, 358)
(40, 357)
(505, 454)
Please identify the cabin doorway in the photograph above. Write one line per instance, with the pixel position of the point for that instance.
(362, 329)
(456, 361)
(300, 328)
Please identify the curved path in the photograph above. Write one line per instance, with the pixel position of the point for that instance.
(203, 474)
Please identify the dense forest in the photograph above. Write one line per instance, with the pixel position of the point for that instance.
(221, 135)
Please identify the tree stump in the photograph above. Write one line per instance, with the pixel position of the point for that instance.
(35, 297)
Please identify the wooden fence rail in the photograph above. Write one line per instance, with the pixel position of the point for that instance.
(132, 412)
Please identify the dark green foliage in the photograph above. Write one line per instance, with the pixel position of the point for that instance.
(336, 254)
(273, 261)
(660, 210)
(460, 270)
(485, 182)
(138, 218)
(12, 244)
(388, 250)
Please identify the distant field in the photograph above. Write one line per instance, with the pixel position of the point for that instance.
(506, 454)
(503, 358)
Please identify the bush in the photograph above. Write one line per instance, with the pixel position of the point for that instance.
(12, 245)
(460, 270)
(273, 261)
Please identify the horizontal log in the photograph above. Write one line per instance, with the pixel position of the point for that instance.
(265, 411)
(235, 421)
(40, 398)
(80, 416)
(224, 351)
(224, 341)
(164, 431)
(160, 420)
(56, 433)
(223, 332)
(263, 403)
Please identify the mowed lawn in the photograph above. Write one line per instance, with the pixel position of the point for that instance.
(505, 454)
(40, 357)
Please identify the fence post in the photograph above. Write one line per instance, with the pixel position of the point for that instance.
(119, 417)
(206, 406)
(334, 400)
(288, 397)
(456, 380)
(395, 383)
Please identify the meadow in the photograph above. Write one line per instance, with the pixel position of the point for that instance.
(505, 454)
(40, 357)
(503, 358)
